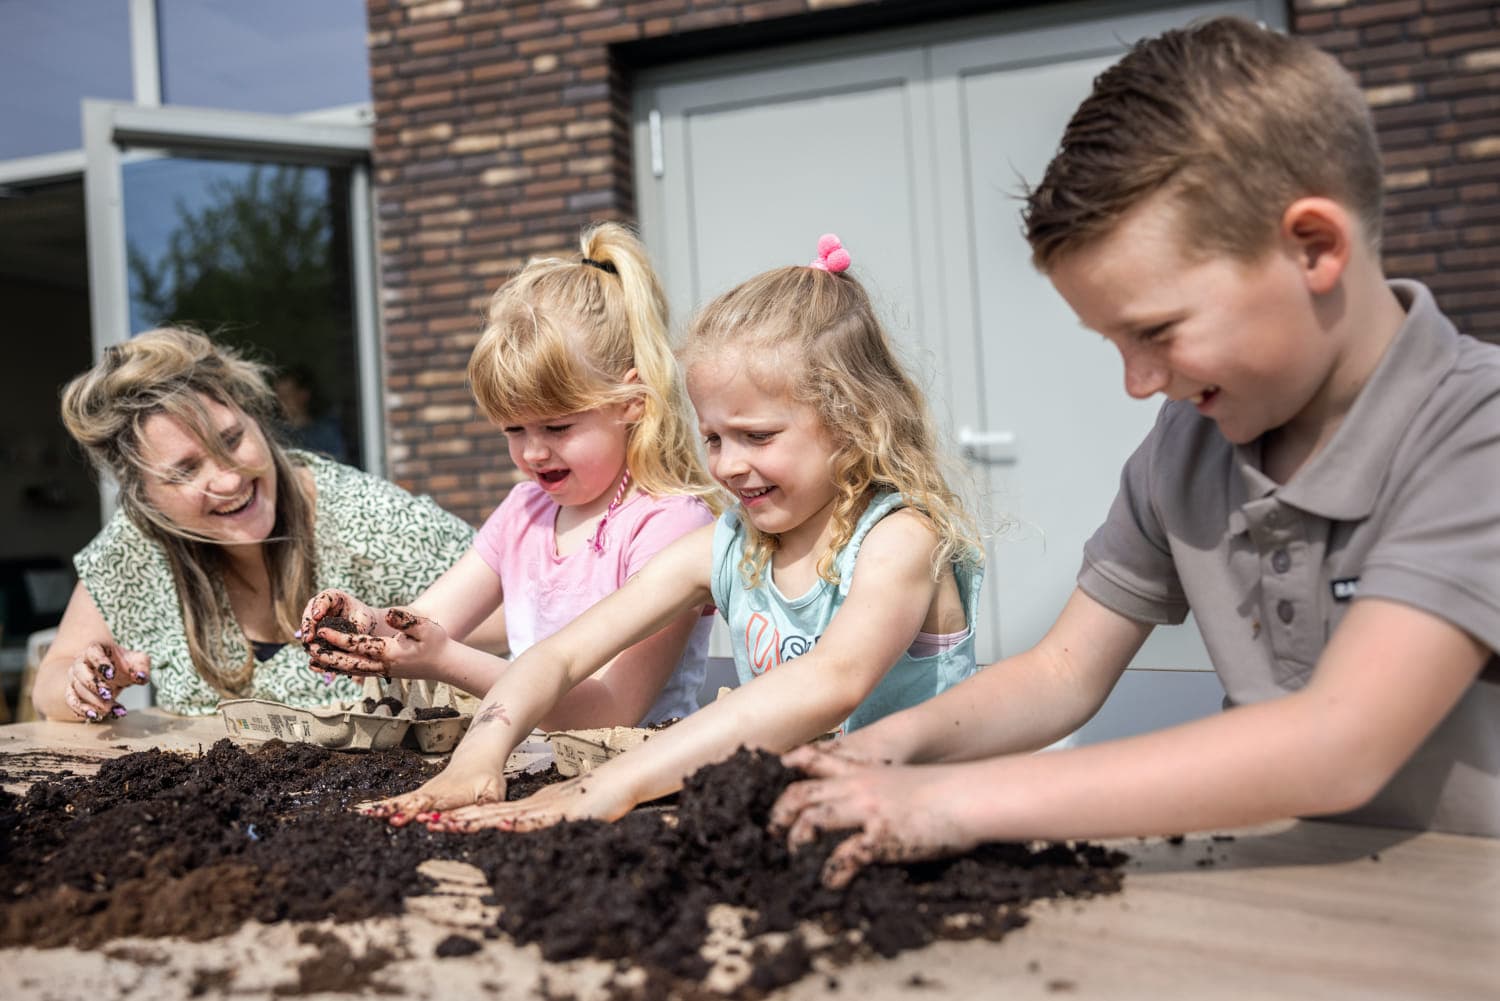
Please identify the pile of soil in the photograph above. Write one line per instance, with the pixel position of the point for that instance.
(164, 845)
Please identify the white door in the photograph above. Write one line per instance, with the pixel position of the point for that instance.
(913, 147)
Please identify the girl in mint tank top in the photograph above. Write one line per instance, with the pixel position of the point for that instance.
(848, 570)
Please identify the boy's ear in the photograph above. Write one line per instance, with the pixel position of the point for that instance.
(1322, 233)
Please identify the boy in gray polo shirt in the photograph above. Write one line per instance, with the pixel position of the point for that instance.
(1322, 489)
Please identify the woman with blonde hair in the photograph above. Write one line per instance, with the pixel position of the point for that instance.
(198, 581)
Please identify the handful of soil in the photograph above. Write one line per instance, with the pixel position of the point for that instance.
(159, 844)
(337, 623)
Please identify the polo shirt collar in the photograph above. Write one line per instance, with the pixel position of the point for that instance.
(1341, 482)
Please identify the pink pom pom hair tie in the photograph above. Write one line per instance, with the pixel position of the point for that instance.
(831, 255)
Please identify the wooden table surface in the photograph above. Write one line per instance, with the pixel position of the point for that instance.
(1292, 910)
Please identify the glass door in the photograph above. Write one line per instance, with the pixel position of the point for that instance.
(255, 229)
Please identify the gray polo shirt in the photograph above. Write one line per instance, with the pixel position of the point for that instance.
(1403, 503)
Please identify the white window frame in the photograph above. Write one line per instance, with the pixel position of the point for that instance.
(333, 140)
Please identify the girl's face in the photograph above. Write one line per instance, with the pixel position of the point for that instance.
(577, 459)
(230, 504)
(770, 451)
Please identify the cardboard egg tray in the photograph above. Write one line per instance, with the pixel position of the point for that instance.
(577, 752)
(346, 726)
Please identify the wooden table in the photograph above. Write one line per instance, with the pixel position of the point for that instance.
(1292, 910)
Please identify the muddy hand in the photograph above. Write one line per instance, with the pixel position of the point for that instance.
(97, 677)
(334, 602)
(445, 791)
(826, 759)
(584, 797)
(890, 811)
(356, 654)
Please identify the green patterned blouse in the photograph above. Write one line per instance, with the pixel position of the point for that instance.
(372, 539)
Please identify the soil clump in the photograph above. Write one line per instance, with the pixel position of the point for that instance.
(164, 845)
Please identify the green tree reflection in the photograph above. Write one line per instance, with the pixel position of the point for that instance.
(256, 264)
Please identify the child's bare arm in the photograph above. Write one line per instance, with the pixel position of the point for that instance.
(675, 580)
(1022, 703)
(468, 600)
(428, 646)
(621, 693)
(1387, 678)
(796, 701)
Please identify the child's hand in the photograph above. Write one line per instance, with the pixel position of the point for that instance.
(896, 814)
(334, 602)
(830, 757)
(398, 645)
(453, 787)
(98, 675)
(584, 797)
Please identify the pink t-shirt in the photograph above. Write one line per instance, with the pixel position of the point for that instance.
(544, 591)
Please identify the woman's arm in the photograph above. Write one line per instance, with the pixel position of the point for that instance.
(84, 670)
(1389, 675)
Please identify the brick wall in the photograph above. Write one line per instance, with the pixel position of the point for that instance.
(1431, 71)
(502, 127)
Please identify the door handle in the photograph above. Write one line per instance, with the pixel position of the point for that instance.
(989, 446)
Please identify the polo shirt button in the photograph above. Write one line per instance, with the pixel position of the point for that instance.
(1285, 611)
(1280, 561)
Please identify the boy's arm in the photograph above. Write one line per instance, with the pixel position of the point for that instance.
(1021, 703)
(1386, 679)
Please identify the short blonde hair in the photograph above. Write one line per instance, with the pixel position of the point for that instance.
(1235, 120)
(561, 336)
(814, 335)
(171, 371)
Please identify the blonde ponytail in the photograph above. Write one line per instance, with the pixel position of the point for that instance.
(560, 338)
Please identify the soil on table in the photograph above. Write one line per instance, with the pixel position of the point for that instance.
(165, 845)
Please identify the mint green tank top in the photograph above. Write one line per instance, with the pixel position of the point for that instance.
(767, 628)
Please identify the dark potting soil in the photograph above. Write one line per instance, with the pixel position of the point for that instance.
(337, 623)
(164, 845)
(437, 712)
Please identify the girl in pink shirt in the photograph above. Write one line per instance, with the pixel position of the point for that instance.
(575, 366)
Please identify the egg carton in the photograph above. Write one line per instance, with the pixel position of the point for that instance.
(350, 726)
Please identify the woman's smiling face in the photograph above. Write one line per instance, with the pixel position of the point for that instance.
(228, 503)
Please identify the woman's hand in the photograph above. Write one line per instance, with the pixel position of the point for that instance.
(399, 644)
(583, 797)
(98, 675)
(895, 814)
(454, 786)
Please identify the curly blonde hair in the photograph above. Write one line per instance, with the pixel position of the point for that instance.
(814, 335)
(171, 371)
